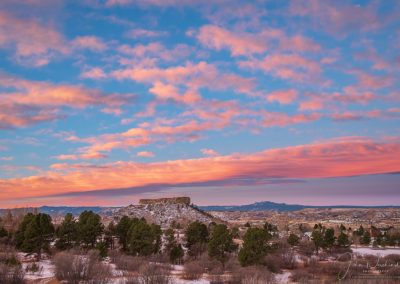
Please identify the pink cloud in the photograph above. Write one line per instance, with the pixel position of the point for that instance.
(271, 119)
(239, 44)
(312, 104)
(146, 154)
(209, 152)
(89, 42)
(93, 73)
(28, 102)
(282, 96)
(34, 43)
(336, 158)
(286, 66)
(145, 33)
(337, 17)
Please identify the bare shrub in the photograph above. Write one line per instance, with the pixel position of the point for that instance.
(394, 271)
(129, 263)
(288, 260)
(273, 262)
(392, 259)
(306, 248)
(76, 268)
(11, 274)
(192, 270)
(301, 276)
(255, 275)
(154, 274)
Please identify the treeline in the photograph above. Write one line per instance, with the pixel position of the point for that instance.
(249, 246)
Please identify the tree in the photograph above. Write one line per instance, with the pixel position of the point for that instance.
(343, 240)
(255, 247)
(176, 253)
(122, 230)
(157, 233)
(143, 239)
(90, 228)
(329, 238)
(293, 240)
(109, 234)
(366, 238)
(196, 238)
(220, 243)
(67, 233)
(318, 238)
(35, 234)
(172, 248)
(19, 236)
(170, 240)
(271, 229)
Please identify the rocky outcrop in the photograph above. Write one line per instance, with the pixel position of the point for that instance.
(172, 200)
(164, 211)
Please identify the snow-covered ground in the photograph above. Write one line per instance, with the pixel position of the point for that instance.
(375, 251)
(283, 278)
(46, 270)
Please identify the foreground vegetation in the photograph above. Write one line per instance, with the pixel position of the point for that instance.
(83, 250)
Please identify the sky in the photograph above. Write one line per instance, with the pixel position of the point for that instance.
(104, 102)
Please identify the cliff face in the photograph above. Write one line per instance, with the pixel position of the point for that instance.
(172, 200)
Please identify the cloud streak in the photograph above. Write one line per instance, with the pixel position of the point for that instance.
(336, 158)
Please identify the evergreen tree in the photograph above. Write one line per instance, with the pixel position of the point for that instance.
(38, 233)
(293, 240)
(157, 233)
(329, 238)
(19, 236)
(271, 229)
(143, 239)
(220, 243)
(176, 253)
(109, 234)
(67, 233)
(170, 240)
(255, 247)
(90, 228)
(122, 230)
(366, 238)
(343, 239)
(317, 237)
(196, 238)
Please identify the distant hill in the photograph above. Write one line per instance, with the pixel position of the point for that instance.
(268, 205)
(58, 210)
(258, 206)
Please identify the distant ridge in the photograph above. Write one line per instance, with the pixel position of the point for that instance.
(268, 205)
(257, 206)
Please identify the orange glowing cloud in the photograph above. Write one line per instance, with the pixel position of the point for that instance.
(335, 158)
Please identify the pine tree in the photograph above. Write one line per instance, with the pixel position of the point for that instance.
(293, 240)
(142, 239)
(67, 233)
(38, 233)
(196, 238)
(343, 240)
(329, 238)
(255, 247)
(122, 230)
(220, 243)
(90, 228)
(317, 237)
